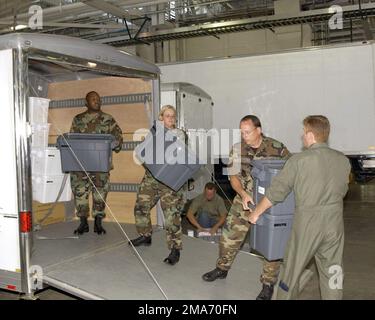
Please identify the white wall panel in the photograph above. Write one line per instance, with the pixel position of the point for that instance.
(9, 243)
(284, 88)
(8, 184)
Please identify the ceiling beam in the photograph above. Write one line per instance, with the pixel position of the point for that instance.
(68, 25)
(266, 22)
(112, 9)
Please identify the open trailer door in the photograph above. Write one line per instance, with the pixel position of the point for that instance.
(15, 216)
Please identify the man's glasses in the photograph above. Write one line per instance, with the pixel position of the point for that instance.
(247, 133)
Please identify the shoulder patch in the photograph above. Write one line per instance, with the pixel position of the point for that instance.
(237, 146)
(106, 115)
(276, 144)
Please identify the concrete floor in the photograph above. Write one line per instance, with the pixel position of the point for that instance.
(359, 253)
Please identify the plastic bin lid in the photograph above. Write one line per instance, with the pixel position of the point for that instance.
(261, 168)
(274, 170)
(268, 164)
(89, 136)
(168, 137)
(64, 139)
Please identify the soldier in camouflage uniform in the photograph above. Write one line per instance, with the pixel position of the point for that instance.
(172, 202)
(255, 146)
(93, 121)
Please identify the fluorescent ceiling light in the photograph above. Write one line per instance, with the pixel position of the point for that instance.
(18, 27)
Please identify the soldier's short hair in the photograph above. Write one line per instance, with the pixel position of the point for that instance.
(319, 126)
(165, 108)
(210, 186)
(91, 92)
(254, 119)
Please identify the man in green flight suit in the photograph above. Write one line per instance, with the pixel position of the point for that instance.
(254, 145)
(93, 120)
(319, 178)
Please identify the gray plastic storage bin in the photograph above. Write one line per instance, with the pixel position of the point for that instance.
(94, 152)
(270, 235)
(263, 171)
(159, 161)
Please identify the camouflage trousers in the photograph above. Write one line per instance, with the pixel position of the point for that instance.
(234, 233)
(81, 188)
(149, 193)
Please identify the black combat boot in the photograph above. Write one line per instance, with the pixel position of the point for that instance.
(215, 274)
(146, 241)
(98, 228)
(83, 226)
(173, 257)
(266, 293)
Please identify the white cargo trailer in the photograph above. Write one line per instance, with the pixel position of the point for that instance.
(91, 266)
(28, 62)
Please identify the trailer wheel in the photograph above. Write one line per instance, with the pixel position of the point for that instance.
(28, 297)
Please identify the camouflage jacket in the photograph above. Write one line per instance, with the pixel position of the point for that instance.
(99, 122)
(242, 154)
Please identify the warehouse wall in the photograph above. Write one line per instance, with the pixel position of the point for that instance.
(130, 117)
(284, 88)
(232, 44)
(249, 42)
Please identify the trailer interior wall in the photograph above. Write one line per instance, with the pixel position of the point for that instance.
(130, 116)
(285, 87)
(66, 87)
(130, 100)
